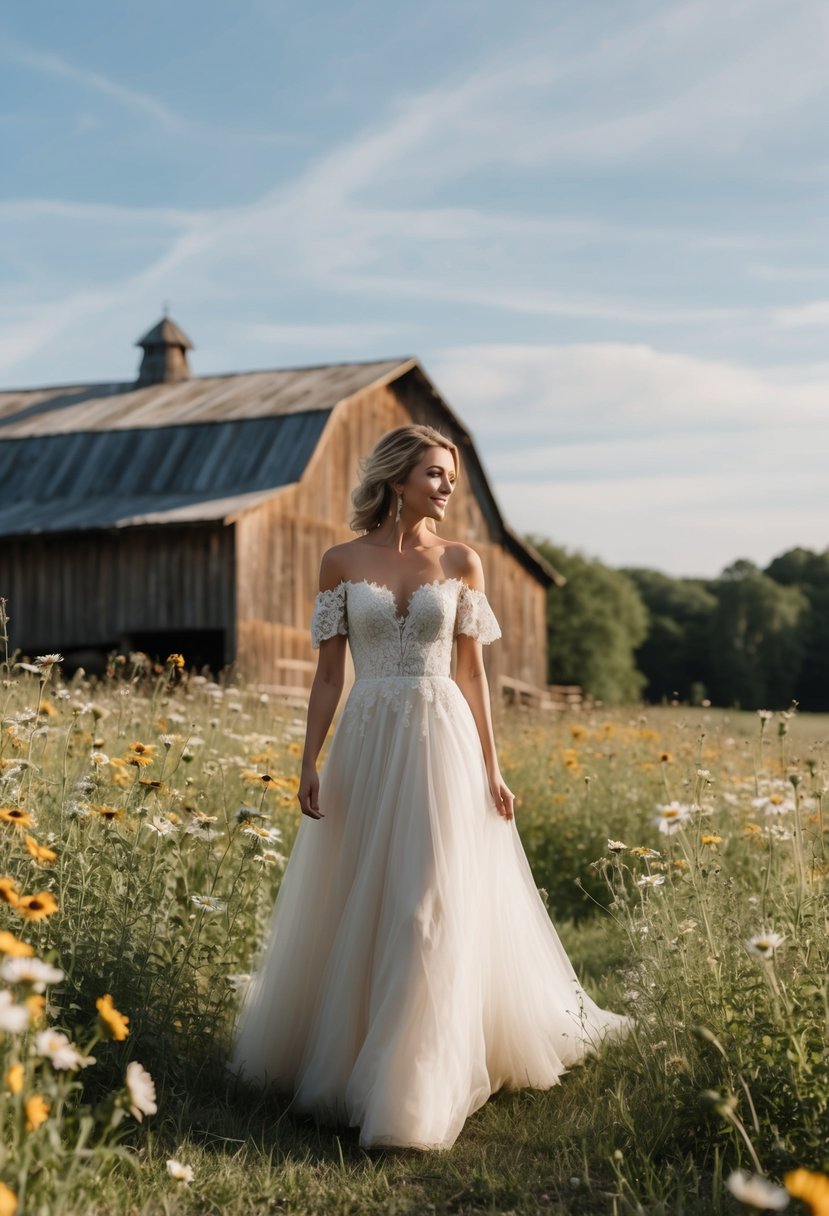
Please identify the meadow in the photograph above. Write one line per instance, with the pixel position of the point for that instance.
(145, 822)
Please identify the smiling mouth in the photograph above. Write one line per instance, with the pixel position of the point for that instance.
(442, 501)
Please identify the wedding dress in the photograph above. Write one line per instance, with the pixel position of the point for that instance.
(411, 968)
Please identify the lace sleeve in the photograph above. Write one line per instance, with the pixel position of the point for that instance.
(329, 615)
(475, 616)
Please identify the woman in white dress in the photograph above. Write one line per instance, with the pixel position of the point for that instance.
(411, 968)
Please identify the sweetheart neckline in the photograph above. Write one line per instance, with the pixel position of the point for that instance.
(382, 587)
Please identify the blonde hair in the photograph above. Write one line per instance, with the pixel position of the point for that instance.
(392, 459)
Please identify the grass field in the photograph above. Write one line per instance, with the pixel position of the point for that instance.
(144, 828)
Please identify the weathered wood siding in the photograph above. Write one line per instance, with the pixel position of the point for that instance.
(97, 590)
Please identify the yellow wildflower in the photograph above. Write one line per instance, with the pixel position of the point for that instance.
(14, 1078)
(175, 660)
(140, 754)
(8, 1201)
(13, 946)
(809, 1187)
(113, 1022)
(47, 709)
(710, 838)
(37, 906)
(9, 893)
(109, 813)
(36, 1004)
(42, 855)
(15, 815)
(37, 1111)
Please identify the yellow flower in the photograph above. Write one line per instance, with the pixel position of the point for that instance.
(13, 946)
(14, 1078)
(47, 709)
(36, 1004)
(175, 660)
(114, 1023)
(710, 838)
(8, 1201)
(15, 815)
(37, 1111)
(41, 854)
(9, 893)
(679, 863)
(810, 1188)
(109, 813)
(37, 906)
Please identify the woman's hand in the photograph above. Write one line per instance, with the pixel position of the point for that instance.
(503, 797)
(308, 793)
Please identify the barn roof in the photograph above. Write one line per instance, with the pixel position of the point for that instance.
(81, 457)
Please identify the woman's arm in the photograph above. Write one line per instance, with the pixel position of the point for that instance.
(324, 698)
(470, 676)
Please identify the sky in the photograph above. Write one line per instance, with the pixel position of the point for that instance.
(601, 228)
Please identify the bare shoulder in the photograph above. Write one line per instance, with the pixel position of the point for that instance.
(332, 564)
(465, 563)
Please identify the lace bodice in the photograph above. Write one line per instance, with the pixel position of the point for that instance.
(384, 643)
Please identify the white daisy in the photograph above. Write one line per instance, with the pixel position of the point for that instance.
(181, 1173)
(650, 880)
(141, 1090)
(764, 944)
(31, 971)
(61, 1053)
(756, 1192)
(616, 846)
(209, 903)
(671, 817)
(13, 1018)
(160, 825)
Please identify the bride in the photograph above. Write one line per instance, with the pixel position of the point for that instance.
(410, 969)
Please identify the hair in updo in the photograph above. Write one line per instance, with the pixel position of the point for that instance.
(394, 456)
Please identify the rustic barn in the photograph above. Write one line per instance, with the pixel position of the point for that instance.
(189, 513)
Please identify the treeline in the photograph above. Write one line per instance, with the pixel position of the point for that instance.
(752, 638)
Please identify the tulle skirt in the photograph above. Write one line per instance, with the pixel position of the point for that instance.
(410, 968)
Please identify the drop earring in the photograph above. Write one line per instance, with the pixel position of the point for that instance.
(399, 507)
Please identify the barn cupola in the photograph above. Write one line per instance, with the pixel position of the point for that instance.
(165, 354)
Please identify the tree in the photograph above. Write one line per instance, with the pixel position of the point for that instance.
(595, 623)
(674, 655)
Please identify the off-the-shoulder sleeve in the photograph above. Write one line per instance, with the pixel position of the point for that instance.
(475, 616)
(329, 615)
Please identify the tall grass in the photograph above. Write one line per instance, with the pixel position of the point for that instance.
(682, 855)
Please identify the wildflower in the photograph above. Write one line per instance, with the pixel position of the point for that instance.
(671, 817)
(108, 813)
(47, 661)
(9, 893)
(765, 715)
(811, 1188)
(99, 758)
(36, 1005)
(764, 944)
(665, 758)
(710, 838)
(42, 855)
(37, 906)
(650, 880)
(616, 846)
(270, 857)
(31, 971)
(14, 1078)
(176, 661)
(248, 812)
(16, 816)
(8, 1200)
(679, 863)
(140, 754)
(208, 903)
(648, 854)
(141, 1091)
(272, 834)
(13, 1018)
(201, 831)
(160, 825)
(181, 1173)
(61, 1053)
(756, 1192)
(113, 1022)
(37, 1112)
(237, 982)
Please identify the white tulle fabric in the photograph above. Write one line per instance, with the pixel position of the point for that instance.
(410, 969)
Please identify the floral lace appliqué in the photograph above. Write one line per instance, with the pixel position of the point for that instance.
(475, 616)
(329, 615)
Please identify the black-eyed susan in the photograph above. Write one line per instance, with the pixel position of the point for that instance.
(140, 754)
(37, 906)
(175, 661)
(114, 1023)
(13, 947)
(43, 856)
(9, 894)
(15, 816)
(37, 1111)
(108, 813)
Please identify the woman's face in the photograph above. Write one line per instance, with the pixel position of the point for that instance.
(430, 483)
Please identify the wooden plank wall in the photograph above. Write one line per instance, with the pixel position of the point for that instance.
(279, 546)
(93, 590)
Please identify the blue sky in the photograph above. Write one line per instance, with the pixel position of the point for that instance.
(601, 227)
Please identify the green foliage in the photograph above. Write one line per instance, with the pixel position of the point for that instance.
(595, 623)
